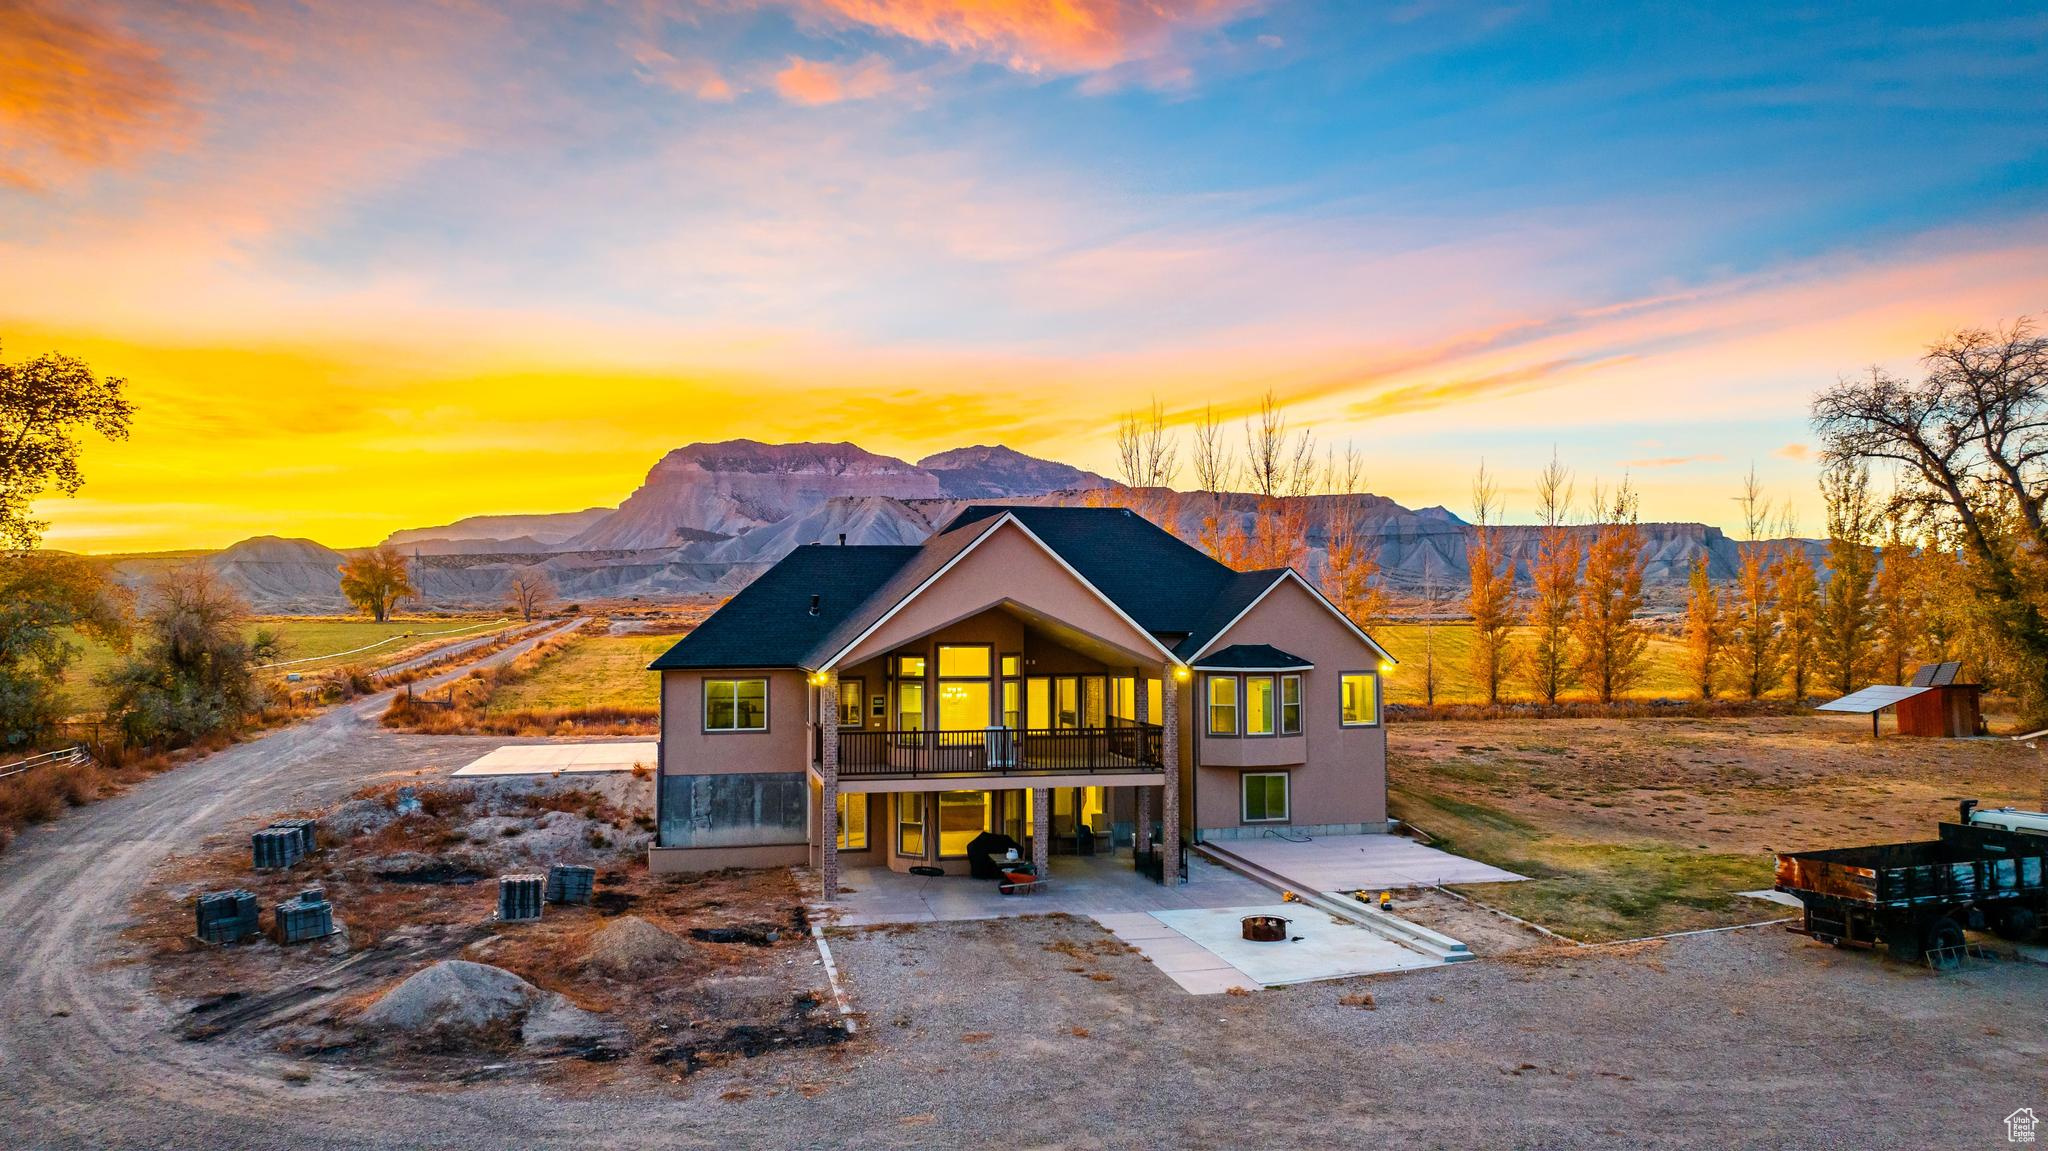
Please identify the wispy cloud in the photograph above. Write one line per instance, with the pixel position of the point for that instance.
(79, 92)
(815, 82)
(1660, 462)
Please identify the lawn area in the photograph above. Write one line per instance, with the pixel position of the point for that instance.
(1643, 826)
(589, 671)
(312, 643)
(1662, 676)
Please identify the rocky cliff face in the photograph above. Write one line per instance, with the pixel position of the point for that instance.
(981, 473)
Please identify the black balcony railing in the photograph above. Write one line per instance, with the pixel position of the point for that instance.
(996, 751)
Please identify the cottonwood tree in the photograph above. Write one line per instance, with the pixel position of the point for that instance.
(1706, 630)
(1971, 440)
(1897, 601)
(44, 402)
(1281, 470)
(1491, 601)
(377, 581)
(1846, 618)
(531, 593)
(1215, 465)
(1608, 641)
(1351, 564)
(1753, 647)
(193, 672)
(1148, 455)
(1554, 580)
(1797, 590)
(47, 600)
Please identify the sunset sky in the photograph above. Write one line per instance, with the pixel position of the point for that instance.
(369, 266)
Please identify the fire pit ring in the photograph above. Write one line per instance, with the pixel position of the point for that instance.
(1265, 928)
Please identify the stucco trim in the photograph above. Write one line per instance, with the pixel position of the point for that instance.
(963, 553)
(1284, 576)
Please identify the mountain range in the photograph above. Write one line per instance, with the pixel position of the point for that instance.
(709, 517)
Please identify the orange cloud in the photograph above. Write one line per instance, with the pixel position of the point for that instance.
(690, 77)
(815, 82)
(1037, 35)
(1794, 452)
(1670, 461)
(77, 93)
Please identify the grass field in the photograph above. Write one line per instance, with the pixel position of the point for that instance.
(1631, 827)
(589, 671)
(312, 643)
(1662, 676)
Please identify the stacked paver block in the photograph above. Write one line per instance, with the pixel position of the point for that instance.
(304, 917)
(228, 916)
(520, 897)
(568, 883)
(306, 829)
(275, 848)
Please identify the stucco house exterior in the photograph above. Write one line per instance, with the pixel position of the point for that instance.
(1076, 678)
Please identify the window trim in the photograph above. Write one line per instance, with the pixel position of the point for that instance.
(1286, 797)
(859, 684)
(1293, 679)
(1209, 706)
(704, 690)
(1378, 701)
(1273, 712)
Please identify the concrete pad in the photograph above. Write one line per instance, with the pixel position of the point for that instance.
(560, 758)
(1078, 885)
(1220, 982)
(1770, 896)
(1351, 862)
(1326, 947)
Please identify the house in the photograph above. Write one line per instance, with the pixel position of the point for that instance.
(1075, 678)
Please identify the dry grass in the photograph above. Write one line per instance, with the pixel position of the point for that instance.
(472, 706)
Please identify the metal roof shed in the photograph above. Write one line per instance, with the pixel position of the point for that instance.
(1871, 701)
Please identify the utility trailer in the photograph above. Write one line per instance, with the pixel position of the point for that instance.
(1918, 898)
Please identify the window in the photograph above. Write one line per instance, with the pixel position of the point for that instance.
(1155, 706)
(963, 705)
(910, 824)
(1123, 697)
(1265, 796)
(853, 822)
(910, 667)
(1068, 716)
(850, 693)
(962, 816)
(735, 705)
(1013, 666)
(1222, 705)
(1360, 699)
(1013, 704)
(963, 661)
(1258, 705)
(1038, 702)
(1290, 705)
(910, 706)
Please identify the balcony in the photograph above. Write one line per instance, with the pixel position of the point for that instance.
(1129, 748)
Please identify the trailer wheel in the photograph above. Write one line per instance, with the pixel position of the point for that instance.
(1905, 943)
(1945, 940)
(2018, 924)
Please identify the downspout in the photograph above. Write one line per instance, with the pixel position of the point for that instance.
(1194, 766)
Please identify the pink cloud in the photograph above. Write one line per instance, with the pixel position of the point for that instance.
(815, 82)
(1032, 36)
(690, 77)
(78, 92)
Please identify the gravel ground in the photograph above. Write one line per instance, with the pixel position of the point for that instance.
(1026, 1033)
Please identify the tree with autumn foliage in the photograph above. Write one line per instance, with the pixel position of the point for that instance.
(1753, 629)
(1220, 534)
(1608, 641)
(1554, 579)
(1491, 601)
(1706, 630)
(1897, 601)
(1797, 590)
(1847, 622)
(1281, 469)
(1351, 563)
(377, 581)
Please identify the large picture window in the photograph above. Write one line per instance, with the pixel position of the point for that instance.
(1265, 796)
(964, 661)
(1259, 716)
(910, 824)
(1222, 705)
(962, 816)
(850, 693)
(735, 705)
(1359, 705)
(1290, 705)
(853, 822)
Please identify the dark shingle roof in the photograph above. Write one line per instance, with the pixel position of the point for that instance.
(769, 623)
(1251, 657)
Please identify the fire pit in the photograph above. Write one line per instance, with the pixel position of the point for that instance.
(1265, 928)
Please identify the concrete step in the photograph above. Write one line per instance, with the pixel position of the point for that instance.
(1392, 928)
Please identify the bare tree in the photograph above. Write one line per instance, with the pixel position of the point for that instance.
(1351, 561)
(531, 593)
(1148, 455)
(1215, 464)
(1276, 464)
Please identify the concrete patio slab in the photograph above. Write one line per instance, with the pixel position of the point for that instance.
(1078, 885)
(560, 758)
(1320, 946)
(1351, 862)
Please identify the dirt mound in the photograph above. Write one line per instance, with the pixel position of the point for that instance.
(452, 995)
(629, 946)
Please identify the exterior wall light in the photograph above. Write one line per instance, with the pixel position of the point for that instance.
(1182, 674)
(1386, 669)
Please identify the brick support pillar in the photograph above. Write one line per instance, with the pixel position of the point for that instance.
(1041, 830)
(1142, 839)
(1169, 740)
(828, 771)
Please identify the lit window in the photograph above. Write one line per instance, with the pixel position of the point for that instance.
(850, 692)
(967, 661)
(1013, 666)
(1222, 705)
(910, 824)
(910, 667)
(1123, 697)
(910, 706)
(1360, 703)
(1258, 705)
(735, 705)
(1265, 796)
(963, 815)
(853, 822)
(1290, 705)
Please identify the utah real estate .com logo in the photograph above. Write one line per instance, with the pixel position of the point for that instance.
(2020, 1125)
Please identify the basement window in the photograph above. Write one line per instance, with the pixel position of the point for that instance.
(1265, 797)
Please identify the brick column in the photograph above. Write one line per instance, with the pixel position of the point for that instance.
(1142, 840)
(1169, 740)
(828, 771)
(1041, 830)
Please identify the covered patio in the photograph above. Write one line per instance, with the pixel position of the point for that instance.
(1079, 885)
